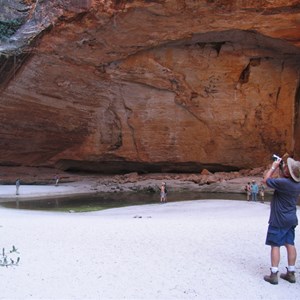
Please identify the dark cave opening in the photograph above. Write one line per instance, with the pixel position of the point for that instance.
(123, 167)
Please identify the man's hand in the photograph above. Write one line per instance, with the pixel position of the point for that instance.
(270, 172)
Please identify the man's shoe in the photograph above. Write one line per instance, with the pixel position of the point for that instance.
(289, 276)
(272, 278)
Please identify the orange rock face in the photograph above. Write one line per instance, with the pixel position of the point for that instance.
(149, 86)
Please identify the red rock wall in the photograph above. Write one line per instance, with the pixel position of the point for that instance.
(124, 85)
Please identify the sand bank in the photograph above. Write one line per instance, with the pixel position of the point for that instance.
(208, 249)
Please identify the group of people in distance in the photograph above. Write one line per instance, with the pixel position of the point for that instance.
(252, 190)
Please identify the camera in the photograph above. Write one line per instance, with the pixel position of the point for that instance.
(275, 157)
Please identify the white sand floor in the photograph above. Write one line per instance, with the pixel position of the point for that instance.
(208, 249)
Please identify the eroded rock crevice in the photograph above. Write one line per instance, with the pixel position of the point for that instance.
(9, 67)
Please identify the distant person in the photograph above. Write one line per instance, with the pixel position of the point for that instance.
(283, 216)
(56, 179)
(262, 192)
(163, 192)
(248, 190)
(18, 183)
(254, 190)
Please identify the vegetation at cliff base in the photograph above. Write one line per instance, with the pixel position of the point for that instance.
(8, 28)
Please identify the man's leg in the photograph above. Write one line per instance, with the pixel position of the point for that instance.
(292, 256)
(275, 258)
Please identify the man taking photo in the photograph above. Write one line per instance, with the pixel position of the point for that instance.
(283, 216)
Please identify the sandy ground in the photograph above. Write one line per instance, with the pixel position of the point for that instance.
(8, 192)
(208, 249)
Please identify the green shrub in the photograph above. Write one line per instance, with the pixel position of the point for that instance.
(8, 28)
(9, 258)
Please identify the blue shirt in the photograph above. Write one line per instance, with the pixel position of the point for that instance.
(284, 203)
(254, 188)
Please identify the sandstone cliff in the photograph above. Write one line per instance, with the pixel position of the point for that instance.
(149, 86)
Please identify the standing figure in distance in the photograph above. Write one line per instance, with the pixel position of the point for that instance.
(248, 190)
(283, 216)
(17, 186)
(254, 190)
(163, 192)
(262, 192)
(56, 178)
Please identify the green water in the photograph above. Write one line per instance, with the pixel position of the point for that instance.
(102, 201)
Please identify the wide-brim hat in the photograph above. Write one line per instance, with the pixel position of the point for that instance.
(294, 168)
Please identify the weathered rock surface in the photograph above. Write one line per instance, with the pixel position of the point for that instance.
(151, 86)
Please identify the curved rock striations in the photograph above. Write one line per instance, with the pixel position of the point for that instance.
(149, 86)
